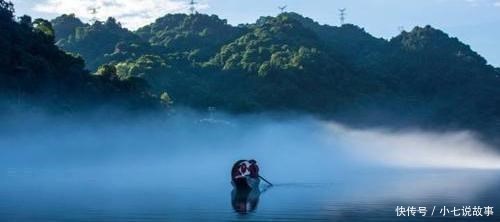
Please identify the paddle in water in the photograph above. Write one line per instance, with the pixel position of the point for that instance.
(270, 184)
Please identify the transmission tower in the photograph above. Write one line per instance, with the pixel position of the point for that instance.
(342, 14)
(282, 8)
(93, 12)
(192, 6)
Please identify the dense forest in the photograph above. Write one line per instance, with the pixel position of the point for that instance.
(284, 63)
(34, 73)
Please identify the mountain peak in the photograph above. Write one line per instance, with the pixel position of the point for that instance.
(435, 43)
(198, 33)
(175, 21)
(421, 37)
(65, 25)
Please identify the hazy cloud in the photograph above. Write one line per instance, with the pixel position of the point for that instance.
(484, 2)
(455, 150)
(131, 13)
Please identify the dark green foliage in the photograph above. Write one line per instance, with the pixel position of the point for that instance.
(444, 77)
(350, 43)
(26, 20)
(277, 43)
(94, 42)
(6, 10)
(107, 72)
(294, 73)
(66, 25)
(200, 35)
(291, 63)
(45, 27)
(35, 71)
(166, 100)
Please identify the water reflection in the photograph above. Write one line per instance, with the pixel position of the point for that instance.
(245, 201)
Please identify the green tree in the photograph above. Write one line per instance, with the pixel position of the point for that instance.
(166, 100)
(44, 27)
(6, 10)
(93, 42)
(36, 72)
(66, 25)
(108, 72)
(292, 63)
(26, 21)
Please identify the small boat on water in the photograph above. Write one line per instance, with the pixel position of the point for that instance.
(246, 183)
(240, 181)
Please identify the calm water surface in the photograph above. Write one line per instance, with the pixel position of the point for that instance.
(33, 195)
(179, 171)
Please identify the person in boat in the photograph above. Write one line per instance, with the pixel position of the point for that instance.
(243, 170)
(235, 173)
(239, 170)
(253, 169)
(245, 175)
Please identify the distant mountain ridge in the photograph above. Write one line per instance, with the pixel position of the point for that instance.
(286, 63)
(292, 63)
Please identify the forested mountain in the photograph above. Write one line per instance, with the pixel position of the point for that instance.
(199, 35)
(289, 67)
(92, 42)
(285, 63)
(292, 63)
(66, 26)
(36, 72)
(352, 43)
(453, 83)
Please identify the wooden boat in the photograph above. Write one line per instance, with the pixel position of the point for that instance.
(245, 182)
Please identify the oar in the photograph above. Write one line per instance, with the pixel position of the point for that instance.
(266, 180)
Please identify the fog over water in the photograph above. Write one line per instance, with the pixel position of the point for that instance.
(40, 140)
(168, 161)
(415, 148)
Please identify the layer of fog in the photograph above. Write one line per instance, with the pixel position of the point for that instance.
(415, 148)
(188, 147)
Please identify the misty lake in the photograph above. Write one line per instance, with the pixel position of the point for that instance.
(179, 170)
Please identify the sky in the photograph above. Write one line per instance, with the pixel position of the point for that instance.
(474, 22)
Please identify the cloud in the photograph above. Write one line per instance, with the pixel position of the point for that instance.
(454, 150)
(487, 2)
(131, 13)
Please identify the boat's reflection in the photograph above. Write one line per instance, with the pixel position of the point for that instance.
(245, 201)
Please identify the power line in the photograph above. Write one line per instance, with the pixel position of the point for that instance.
(342, 14)
(192, 6)
(93, 11)
(282, 8)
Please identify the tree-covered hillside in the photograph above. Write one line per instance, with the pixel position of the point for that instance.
(36, 72)
(65, 26)
(292, 63)
(92, 42)
(453, 83)
(289, 62)
(199, 35)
